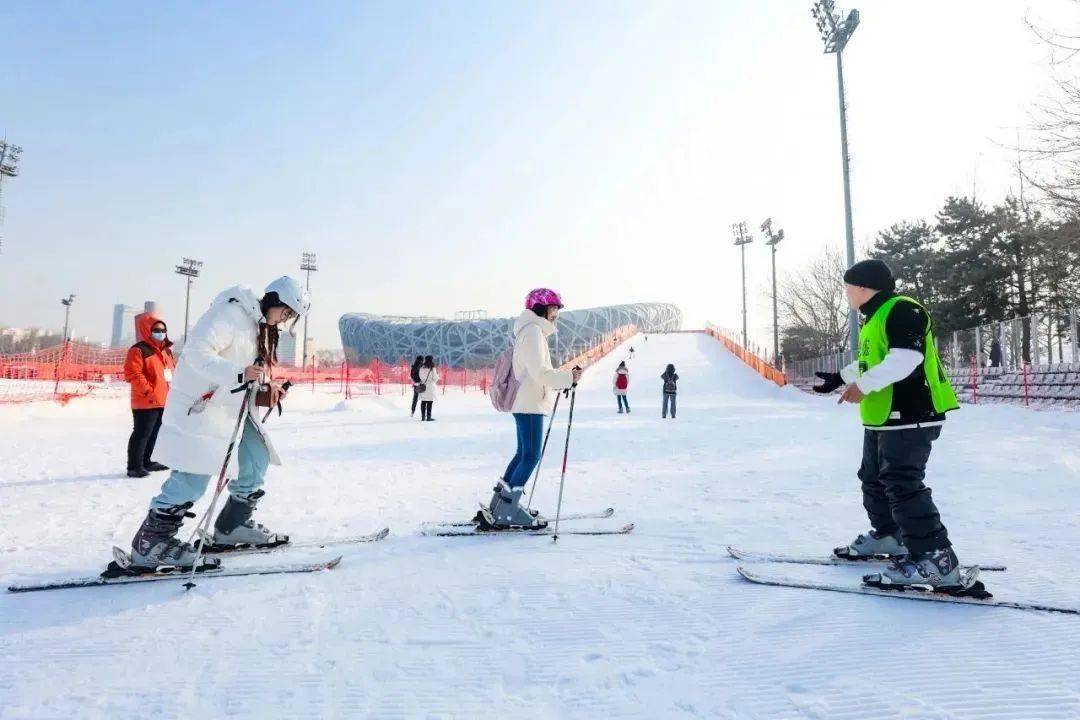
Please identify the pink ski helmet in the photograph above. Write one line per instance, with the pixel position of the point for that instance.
(542, 296)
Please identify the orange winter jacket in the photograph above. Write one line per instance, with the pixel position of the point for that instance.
(149, 366)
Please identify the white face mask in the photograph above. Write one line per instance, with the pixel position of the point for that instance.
(158, 335)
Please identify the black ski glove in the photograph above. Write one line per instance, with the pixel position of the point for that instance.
(830, 382)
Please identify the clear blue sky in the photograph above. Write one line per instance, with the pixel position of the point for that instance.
(449, 155)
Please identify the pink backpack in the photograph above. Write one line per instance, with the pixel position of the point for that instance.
(504, 385)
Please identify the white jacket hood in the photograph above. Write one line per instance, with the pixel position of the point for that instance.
(246, 298)
(528, 317)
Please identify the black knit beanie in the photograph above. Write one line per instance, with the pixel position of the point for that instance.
(873, 274)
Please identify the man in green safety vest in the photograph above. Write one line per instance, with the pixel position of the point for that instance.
(903, 394)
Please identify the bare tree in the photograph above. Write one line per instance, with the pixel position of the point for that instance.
(813, 308)
(1053, 153)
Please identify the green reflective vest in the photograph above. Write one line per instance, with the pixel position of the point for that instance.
(877, 407)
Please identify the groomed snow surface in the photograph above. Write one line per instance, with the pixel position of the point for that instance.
(656, 624)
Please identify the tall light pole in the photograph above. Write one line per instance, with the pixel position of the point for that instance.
(9, 168)
(307, 263)
(742, 239)
(190, 269)
(773, 241)
(67, 303)
(836, 31)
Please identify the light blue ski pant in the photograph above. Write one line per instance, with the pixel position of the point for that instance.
(253, 458)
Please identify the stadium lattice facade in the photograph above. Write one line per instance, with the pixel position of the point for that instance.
(476, 343)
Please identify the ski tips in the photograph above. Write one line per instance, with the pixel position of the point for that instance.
(336, 561)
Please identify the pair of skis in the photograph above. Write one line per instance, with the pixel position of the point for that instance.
(120, 571)
(973, 592)
(472, 527)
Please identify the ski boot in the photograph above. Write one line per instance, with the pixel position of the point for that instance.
(872, 546)
(933, 571)
(155, 545)
(507, 513)
(234, 528)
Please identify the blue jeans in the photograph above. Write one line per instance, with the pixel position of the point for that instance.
(669, 399)
(182, 487)
(530, 437)
(623, 403)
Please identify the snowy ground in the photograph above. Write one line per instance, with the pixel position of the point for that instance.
(652, 625)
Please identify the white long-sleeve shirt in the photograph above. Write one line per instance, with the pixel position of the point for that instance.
(897, 365)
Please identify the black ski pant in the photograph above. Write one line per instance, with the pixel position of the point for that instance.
(895, 498)
(415, 399)
(143, 437)
(425, 409)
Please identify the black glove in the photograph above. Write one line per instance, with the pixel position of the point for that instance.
(830, 382)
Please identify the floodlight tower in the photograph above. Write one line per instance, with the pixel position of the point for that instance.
(836, 31)
(742, 239)
(67, 303)
(307, 263)
(190, 269)
(773, 241)
(9, 168)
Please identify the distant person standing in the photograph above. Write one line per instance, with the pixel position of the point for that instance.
(429, 381)
(995, 353)
(620, 384)
(148, 368)
(670, 389)
(414, 375)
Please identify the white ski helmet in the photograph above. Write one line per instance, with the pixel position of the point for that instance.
(291, 293)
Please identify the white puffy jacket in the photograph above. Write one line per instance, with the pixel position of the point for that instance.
(430, 378)
(532, 365)
(201, 412)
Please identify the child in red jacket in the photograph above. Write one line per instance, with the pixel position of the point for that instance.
(148, 368)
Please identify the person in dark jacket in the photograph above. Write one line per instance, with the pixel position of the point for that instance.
(995, 353)
(671, 379)
(148, 368)
(903, 393)
(414, 375)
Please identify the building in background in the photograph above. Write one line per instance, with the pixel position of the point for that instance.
(123, 323)
(123, 326)
(475, 343)
(288, 350)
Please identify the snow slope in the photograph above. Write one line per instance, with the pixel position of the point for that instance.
(652, 625)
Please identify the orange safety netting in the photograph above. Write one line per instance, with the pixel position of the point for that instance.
(60, 372)
(70, 370)
(766, 370)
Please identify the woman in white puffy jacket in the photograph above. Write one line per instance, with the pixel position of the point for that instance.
(539, 382)
(429, 378)
(233, 343)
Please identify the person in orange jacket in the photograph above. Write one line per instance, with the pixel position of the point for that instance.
(148, 368)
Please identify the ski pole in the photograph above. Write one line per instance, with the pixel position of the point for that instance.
(249, 389)
(566, 453)
(543, 449)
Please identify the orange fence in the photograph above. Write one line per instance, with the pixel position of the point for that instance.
(609, 342)
(60, 372)
(763, 368)
(70, 370)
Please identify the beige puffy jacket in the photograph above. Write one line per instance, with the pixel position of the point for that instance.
(532, 365)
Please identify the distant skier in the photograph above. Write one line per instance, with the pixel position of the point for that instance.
(670, 389)
(429, 382)
(903, 395)
(532, 369)
(149, 369)
(414, 376)
(620, 384)
(224, 349)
